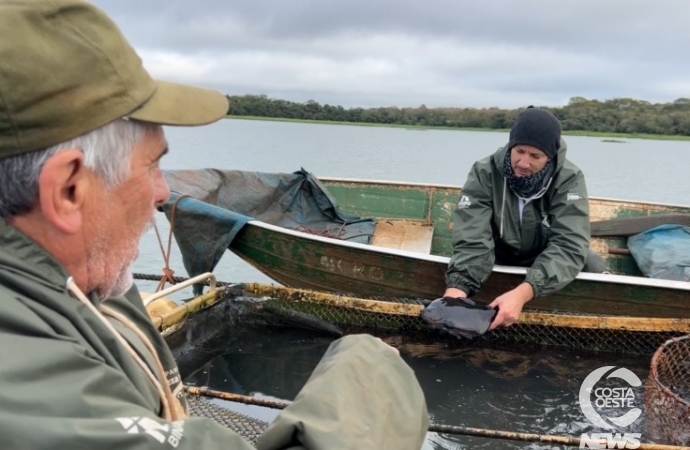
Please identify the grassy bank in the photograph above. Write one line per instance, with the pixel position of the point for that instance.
(658, 137)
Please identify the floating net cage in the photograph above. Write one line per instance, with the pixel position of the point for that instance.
(536, 335)
(402, 317)
(667, 393)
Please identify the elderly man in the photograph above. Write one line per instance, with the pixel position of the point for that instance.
(82, 366)
(525, 205)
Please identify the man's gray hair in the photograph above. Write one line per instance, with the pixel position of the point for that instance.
(107, 151)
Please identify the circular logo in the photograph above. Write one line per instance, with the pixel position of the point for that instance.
(609, 398)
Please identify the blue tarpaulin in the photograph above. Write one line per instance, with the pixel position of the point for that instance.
(663, 252)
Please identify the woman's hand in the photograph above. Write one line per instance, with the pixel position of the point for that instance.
(510, 305)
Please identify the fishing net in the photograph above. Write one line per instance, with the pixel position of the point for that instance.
(667, 393)
(400, 317)
(247, 427)
(584, 339)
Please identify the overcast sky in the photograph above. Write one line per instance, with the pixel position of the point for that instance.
(504, 53)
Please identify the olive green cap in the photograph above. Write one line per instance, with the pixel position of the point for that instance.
(66, 69)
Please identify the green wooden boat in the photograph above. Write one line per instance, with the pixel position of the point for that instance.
(412, 242)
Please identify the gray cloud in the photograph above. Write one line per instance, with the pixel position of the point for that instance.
(404, 53)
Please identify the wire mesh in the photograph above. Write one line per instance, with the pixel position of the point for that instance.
(598, 340)
(584, 339)
(667, 393)
(247, 427)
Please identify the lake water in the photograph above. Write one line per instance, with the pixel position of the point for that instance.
(506, 390)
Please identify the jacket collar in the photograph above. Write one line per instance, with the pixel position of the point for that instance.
(20, 253)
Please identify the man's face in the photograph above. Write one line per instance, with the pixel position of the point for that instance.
(120, 217)
(527, 160)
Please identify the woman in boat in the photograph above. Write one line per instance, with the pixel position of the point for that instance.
(82, 365)
(525, 205)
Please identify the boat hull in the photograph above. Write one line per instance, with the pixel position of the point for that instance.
(308, 259)
(305, 261)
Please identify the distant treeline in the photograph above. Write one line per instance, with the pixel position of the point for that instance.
(620, 115)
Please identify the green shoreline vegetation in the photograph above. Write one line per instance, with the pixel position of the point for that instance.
(611, 119)
(658, 137)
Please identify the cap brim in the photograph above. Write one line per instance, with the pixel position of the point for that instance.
(178, 104)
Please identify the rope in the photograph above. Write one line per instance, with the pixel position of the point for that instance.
(168, 273)
(167, 412)
(434, 428)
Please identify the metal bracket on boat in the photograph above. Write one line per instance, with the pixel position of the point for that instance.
(183, 284)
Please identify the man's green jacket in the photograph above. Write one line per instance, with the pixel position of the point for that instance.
(67, 383)
(552, 238)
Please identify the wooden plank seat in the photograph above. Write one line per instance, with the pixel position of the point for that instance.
(409, 235)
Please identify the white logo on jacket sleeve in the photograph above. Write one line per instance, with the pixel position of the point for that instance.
(572, 196)
(170, 432)
(464, 202)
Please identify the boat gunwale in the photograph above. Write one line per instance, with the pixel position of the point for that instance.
(510, 270)
(459, 187)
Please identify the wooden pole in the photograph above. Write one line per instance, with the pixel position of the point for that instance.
(177, 315)
(448, 429)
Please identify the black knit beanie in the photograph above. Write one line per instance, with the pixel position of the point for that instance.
(536, 127)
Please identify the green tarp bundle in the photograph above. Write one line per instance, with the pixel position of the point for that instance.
(222, 202)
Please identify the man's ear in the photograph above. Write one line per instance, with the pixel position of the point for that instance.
(63, 185)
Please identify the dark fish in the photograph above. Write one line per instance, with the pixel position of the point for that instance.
(462, 318)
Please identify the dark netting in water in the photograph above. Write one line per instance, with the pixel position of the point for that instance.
(402, 316)
(585, 339)
(667, 396)
(247, 427)
(667, 393)
(593, 340)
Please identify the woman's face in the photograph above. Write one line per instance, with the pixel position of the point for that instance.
(526, 160)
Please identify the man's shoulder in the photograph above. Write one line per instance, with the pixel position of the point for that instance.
(486, 166)
(568, 173)
(570, 167)
(21, 314)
